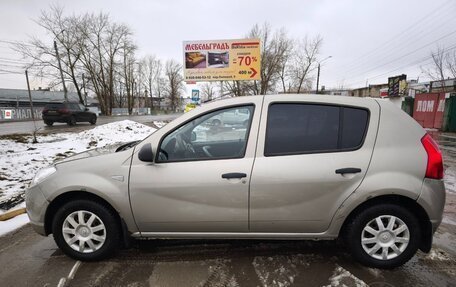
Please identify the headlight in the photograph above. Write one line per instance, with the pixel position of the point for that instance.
(42, 174)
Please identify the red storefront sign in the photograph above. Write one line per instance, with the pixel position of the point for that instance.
(428, 109)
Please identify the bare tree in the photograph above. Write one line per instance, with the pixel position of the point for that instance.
(451, 63)
(304, 60)
(443, 65)
(437, 69)
(275, 47)
(63, 30)
(150, 73)
(104, 46)
(89, 44)
(238, 88)
(174, 82)
(207, 91)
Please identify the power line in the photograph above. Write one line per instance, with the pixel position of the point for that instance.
(405, 55)
(402, 47)
(415, 25)
(9, 72)
(15, 43)
(427, 58)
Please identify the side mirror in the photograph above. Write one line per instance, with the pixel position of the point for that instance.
(193, 137)
(86, 109)
(145, 153)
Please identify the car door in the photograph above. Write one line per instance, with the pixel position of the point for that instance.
(84, 115)
(311, 156)
(76, 111)
(197, 191)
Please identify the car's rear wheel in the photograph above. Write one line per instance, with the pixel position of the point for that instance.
(216, 123)
(383, 236)
(93, 120)
(49, 123)
(86, 230)
(72, 121)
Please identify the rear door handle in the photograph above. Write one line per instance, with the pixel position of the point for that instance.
(348, 170)
(234, 175)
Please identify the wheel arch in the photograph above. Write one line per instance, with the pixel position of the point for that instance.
(75, 195)
(402, 201)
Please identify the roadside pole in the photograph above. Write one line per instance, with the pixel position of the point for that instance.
(61, 72)
(84, 87)
(31, 106)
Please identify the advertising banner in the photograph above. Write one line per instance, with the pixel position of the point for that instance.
(222, 60)
(397, 86)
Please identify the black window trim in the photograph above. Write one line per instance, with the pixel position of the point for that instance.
(340, 106)
(157, 160)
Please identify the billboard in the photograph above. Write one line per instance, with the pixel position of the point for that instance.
(397, 85)
(222, 60)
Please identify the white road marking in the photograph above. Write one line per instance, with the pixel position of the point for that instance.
(61, 282)
(74, 270)
(70, 276)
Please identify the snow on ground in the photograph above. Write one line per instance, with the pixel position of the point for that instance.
(342, 277)
(437, 254)
(20, 161)
(12, 224)
(450, 180)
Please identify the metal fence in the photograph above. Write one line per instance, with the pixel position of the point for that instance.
(14, 114)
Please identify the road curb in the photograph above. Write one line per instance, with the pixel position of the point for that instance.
(11, 214)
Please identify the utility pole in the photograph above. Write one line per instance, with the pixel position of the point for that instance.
(65, 92)
(318, 73)
(31, 106)
(84, 87)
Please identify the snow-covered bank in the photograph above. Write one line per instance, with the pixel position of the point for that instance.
(20, 161)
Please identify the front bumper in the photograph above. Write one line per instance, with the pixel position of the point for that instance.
(36, 206)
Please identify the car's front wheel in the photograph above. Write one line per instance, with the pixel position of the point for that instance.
(383, 236)
(86, 230)
(71, 121)
(93, 120)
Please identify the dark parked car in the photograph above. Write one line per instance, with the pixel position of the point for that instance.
(67, 112)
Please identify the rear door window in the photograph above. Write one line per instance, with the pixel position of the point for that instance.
(311, 128)
(54, 107)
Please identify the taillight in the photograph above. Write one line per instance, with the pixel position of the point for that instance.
(434, 168)
(64, 111)
(45, 110)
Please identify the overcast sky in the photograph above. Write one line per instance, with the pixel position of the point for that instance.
(368, 40)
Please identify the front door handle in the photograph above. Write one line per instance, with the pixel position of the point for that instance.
(348, 170)
(234, 175)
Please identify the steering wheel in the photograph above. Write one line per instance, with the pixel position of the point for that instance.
(206, 151)
(183, 146)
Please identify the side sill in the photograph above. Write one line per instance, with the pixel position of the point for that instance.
(232, 235)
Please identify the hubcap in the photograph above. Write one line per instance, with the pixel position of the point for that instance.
(84, 231)
(385, 237)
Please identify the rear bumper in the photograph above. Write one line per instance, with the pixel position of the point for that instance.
(56, 118)
(36, 206)
(432, 199)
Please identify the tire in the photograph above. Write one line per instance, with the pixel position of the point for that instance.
(216, 123)
(103, 234)
(385, 239)
(49, 123)
(72, 121)
(93, 120)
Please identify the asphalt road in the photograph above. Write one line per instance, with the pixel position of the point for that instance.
(27, 259)
(7, 128)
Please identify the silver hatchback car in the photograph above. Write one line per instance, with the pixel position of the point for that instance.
(292, 167)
